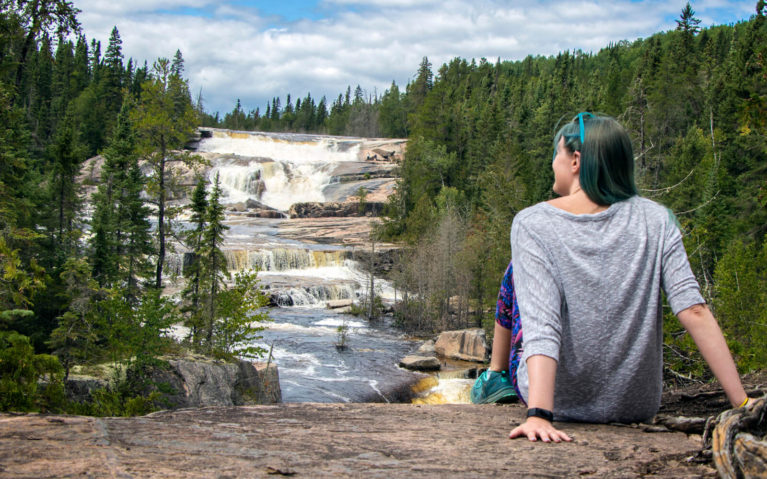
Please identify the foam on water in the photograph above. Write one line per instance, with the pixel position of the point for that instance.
(446, 391)
(278, 172)
(335, 322)
(316, 150)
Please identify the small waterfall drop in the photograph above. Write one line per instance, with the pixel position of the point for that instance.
(283, 259)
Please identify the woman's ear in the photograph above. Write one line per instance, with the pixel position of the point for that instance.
(575, 162)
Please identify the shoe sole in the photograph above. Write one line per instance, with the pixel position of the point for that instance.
(500, 397)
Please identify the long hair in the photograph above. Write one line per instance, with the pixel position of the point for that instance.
(607, 159)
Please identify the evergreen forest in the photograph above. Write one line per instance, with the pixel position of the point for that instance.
(82, 283)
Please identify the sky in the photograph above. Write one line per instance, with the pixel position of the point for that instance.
(255, 50)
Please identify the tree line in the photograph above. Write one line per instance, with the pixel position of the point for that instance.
(81, 282)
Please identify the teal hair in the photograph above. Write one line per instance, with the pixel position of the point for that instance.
(607, 159)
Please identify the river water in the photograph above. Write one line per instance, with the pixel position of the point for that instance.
(303, 264)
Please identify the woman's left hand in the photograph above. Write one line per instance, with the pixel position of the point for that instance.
(535, 428)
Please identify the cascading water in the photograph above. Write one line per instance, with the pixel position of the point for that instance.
(277, 170)
(302, 275)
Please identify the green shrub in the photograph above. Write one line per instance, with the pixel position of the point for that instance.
(20, 372)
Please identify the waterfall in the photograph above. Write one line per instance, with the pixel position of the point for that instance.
(315, 295)
(283, 259)
(273, 170)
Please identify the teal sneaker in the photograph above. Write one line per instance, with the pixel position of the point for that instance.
(492, 386)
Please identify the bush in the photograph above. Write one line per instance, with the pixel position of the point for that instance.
(20, 372)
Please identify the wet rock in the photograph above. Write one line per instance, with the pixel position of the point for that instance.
(420, 363)
(334, 209)
(427, 349)
(266, 214)
(465, 344)
(387, 441)
(238, 207)
(338, 303)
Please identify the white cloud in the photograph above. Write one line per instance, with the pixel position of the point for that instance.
(232, 52)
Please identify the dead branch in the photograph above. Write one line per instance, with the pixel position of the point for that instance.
(699, 206)
(668, 188)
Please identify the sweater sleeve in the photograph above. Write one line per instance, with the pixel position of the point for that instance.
(679, 283)
(538, 294)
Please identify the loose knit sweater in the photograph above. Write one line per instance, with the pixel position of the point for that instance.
(589, 292)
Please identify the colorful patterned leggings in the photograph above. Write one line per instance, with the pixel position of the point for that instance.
(507, 315)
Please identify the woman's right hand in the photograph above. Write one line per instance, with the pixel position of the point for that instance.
(535, 428)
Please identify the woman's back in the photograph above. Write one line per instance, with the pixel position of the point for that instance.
(589, 291)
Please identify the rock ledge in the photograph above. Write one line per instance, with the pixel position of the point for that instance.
(332, 440)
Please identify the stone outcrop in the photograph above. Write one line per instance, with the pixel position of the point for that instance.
(198, 383)
(420, 363)
(387, 441)
(338, 303)
(427, 348)
(255, 209)
(334, 209)
(216, 383)
(465, 344)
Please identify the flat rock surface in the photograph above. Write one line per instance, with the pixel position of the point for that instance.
(332, 440)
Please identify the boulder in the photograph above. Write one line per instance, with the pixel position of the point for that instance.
(80, 388)
(335, 209)
(215, 383)
(427, 348)
(420, 363)
(198, 382)
(239, 207)
(464, 344)
(338, 303)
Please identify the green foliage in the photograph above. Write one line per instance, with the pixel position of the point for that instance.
(21, 370)
(18, 285)
(164, 120)
(240, 318)
(741, 293)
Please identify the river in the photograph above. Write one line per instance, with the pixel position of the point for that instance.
(305, 262)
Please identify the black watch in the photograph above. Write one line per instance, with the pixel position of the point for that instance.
(541, 413)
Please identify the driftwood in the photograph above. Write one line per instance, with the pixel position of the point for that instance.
(689, 425)
(739, 441)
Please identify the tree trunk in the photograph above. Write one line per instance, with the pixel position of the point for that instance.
(371, 296)
(161, 216)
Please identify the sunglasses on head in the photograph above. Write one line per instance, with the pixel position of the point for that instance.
(581, 129)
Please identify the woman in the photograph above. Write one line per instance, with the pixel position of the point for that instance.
(589, 268)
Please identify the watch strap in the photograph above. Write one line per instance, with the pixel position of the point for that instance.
(541, 413)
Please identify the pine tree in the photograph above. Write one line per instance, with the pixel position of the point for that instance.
(212, 259)
(193, 269)
(137, 237)
(121, 231)
(41, 17)
(112, 77)
(164, 119)
(66, 156)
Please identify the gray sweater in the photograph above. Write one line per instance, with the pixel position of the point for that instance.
(589, 293)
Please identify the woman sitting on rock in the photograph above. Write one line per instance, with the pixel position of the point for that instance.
(589, 268)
